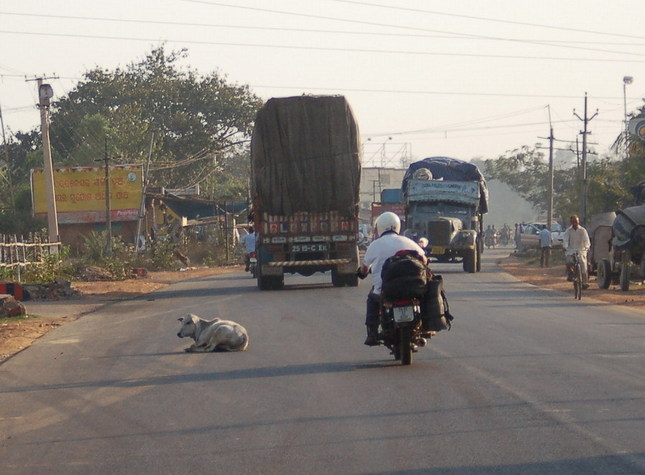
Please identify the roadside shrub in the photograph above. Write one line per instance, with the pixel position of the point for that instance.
(53, 266)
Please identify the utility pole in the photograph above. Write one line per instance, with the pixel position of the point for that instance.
(585, 183)
(549, 210)
(142, 207)
(108, 204)
(626, 80)
(45, 93)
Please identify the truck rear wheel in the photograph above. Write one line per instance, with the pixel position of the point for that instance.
(263, 282)
(478, 265)
(270, 282)
(625, 271)
(604, 274)
(337, 280)
(351, 280)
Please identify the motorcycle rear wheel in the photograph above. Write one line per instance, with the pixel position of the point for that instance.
(405, 345)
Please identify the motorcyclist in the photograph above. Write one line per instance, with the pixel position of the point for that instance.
(249, 247)
(576, 239)
(423, 244)
(388, 243)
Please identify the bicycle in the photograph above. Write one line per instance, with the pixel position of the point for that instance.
(577, 276)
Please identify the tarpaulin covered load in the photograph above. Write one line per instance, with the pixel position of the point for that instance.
(628, 227)
(305, 156)
(450, 169)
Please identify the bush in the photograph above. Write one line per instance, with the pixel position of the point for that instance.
(53, 266)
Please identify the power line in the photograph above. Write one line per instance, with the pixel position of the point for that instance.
(496, 20)
(450, 35)
(445, 93)
(323, 48)
(282, 12)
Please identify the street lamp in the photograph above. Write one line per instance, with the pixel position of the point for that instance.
(626, 80)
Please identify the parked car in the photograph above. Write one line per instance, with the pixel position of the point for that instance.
(530, 235)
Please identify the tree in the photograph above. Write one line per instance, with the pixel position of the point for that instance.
(525, 171)
(24, 151)
(196, 124)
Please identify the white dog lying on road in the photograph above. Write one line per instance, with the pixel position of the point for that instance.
(213, 335)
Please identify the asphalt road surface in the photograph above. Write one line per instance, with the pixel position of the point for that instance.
(528, 381)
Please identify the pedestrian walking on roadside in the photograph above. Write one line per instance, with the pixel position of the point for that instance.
(546, 243)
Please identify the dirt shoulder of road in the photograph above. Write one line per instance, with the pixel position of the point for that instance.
(18, 333)
(554, 278)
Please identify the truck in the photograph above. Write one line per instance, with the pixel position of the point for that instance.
(445, 202)
(625, 251)
(305, 178)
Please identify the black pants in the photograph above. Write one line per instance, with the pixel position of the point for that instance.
(372, 312)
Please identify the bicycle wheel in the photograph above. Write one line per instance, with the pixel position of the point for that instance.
(577, 282)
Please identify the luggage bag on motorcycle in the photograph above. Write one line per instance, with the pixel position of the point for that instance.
(404, 276)
(435, 313)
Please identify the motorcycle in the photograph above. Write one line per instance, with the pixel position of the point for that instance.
(253, 264)
(401, 328)
(491, 240)
(413, 306)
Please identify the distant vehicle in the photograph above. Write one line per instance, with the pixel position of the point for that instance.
(530, 235)
(445, 202)
(305, 175)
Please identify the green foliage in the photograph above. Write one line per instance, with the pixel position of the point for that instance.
(118, 258)
(163, 254)
(19, 223)
(52, 267)
(93, 246)
(525, 170)
(199, 123)
(609, 180)
(7, 274)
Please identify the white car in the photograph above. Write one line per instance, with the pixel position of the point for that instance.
(530, 234)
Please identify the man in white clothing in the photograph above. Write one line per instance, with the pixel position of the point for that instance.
(249, 246)
(388, 226)
(576, 239)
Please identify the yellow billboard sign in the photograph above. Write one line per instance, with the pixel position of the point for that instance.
(80, 193)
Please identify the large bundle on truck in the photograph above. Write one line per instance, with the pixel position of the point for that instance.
(305, 169)
(445, 200)
(305, 155)
(453, 170)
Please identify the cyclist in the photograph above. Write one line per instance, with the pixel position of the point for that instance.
(576, 239)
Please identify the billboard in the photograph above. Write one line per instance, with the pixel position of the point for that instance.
(80, 193)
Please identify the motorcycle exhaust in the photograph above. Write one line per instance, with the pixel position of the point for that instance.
(420, 342)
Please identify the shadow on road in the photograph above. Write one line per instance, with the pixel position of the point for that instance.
(251, 373)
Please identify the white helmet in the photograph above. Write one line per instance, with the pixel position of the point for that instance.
(388, 221)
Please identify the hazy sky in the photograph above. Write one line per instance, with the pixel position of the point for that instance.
(468, 78)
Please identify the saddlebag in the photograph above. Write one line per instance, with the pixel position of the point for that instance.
(404, 276)
(435, 313)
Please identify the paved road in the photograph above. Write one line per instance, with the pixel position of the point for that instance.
(528, 381)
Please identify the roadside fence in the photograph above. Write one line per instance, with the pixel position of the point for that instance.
(16, 253)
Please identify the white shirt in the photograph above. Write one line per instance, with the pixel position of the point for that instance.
(383, 248)
(576, 240)
(249, 242)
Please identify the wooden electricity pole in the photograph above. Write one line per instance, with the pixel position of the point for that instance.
(585, 182)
